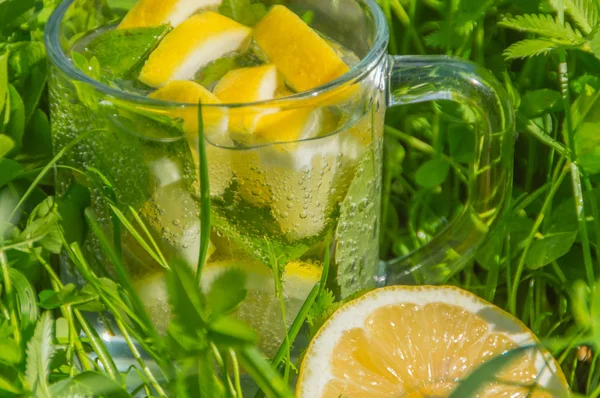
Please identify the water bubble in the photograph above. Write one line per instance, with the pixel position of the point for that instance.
(362, 205)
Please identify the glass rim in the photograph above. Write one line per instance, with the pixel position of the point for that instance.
(356, 73)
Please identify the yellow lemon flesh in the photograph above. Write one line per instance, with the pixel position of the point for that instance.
(288, 125)
(420, 341)
(195, 43)
(147, 13)
(214, 119)
(257, 83)
(302, 56)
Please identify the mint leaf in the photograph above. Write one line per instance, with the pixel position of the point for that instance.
(9, 170)
(214, 71)
(88, 384)
(10, 10)
(229, 331)
(87, 95)
(6, 144)
(538, 102)
(323, 304)
(246, 12)
(226, 292)
(432, 173)
(39, 352)
(551, 247)
(16, 119)
(42, 227)
(120, 50)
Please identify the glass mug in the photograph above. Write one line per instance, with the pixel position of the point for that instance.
(275, 205)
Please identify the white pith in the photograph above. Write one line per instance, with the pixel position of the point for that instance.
(183, 9)
(211, 50)
(316, 368)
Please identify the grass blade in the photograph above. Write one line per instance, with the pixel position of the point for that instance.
(486, 373)
(47, 168)
(158, 258)
(263, 374)
(148, 235)
(204, 197)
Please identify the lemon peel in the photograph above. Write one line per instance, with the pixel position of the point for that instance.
(196, 42)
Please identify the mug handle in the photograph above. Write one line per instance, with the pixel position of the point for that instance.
(416, 79)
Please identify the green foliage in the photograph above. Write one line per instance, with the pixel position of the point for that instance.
(583, 12)
(432, 173)
(247, 12)
(226, 292)
(540, 261)
(214, 71)
(39, 352)
(545, 25)
(531, 48)
(120, 51)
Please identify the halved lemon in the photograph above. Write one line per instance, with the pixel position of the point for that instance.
(301, 55)
(421, 341)
(199, 40)
(214, 120)
(157, 12)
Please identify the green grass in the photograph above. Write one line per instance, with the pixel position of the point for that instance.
(540, 263)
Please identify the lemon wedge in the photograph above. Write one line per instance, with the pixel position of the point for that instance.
(302, 56)
(199, 40)
(288, 126)
(214, 119)
(157, 12)
(246, 85)
(420, 341)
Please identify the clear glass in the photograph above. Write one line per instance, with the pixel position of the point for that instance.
(279, 204)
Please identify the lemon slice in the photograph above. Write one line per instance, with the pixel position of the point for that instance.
(302, 56)
(245, 85)
(157, 12)
(420, 341)
(214, 120)
(199, 40)
(261, 309)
